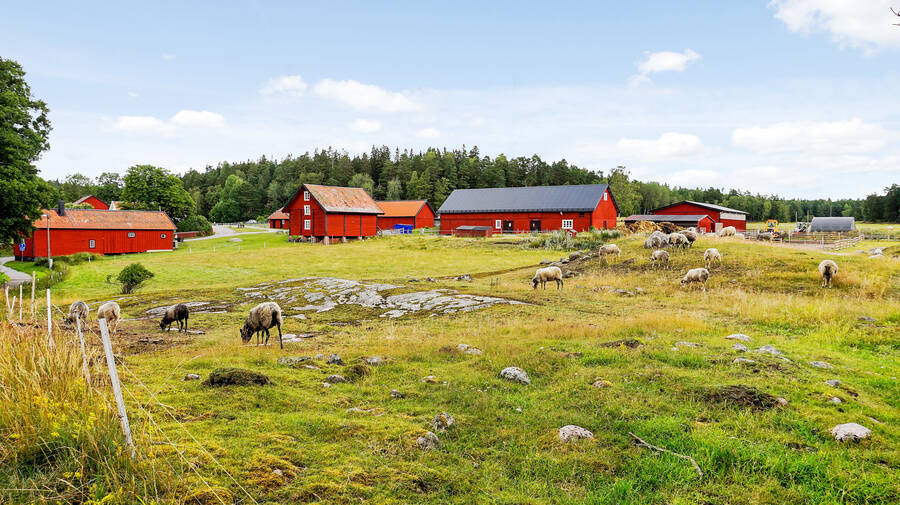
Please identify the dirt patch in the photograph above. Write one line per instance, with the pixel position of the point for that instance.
(741, 396)
(631, 343)
(235, 377)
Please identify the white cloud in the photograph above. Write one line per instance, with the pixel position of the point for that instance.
(198, 119)
(365, 125)
(663, 61)
(143, 125)
(286, 84)
(168, 56)
(132, 94)
(865, 24)
(694, 178)
(365, 96)
(667, 146)
(428, 133)
(854, 135)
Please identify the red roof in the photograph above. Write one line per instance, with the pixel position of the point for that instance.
(279, 214)
(338, 199)
(94, 219)
(402, 208)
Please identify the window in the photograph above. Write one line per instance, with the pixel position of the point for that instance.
(581, 214)
(306, 224)
(306, 210)
(604, 196)
(131, 234)
(91, 244)
(306, 196)
(162, 235)
(567, 224)
(497, 224)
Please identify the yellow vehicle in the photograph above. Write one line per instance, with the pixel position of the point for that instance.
(772, 225)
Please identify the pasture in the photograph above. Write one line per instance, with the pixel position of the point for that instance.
(622, 348)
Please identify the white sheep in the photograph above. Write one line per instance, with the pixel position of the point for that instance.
(698, 275)
(609, 250)
(544, 275)
(828, 269)
(261, 318)
(678, 240)
(659, 257)
(710, 255)
(655, 241)
(110, 311)
(79, 309)
(728, 231)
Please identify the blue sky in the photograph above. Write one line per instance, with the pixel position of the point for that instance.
(795, 97)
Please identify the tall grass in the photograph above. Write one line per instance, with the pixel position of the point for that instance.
(561, 240)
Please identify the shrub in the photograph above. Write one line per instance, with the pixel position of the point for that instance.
(195, 223)
(562, 240)
(132, 277)
(262, 219)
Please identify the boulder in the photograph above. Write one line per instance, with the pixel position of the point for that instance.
(835, 400)
(744, 361)
(396, 394)
(235, 377)
(850, 431)
(428, 441)
(820, 364)
(374, 360)
(335, 379)
(739, 347)
(442, 421)
(739, 336)
(682, 343)
(768, 349)
(515, 374)
(867, 319)
(601, 383)
(334, 359)
(835, 383)
(292, 361)
(191, 377)
(570, 433)
(431, 379)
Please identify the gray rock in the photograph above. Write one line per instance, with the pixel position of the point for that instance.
(464, 278)
(292, 361)
(623, 292)
(835, 383)
(867, 319)
(850, 431)
(335, 379)
(462, 347)
(546, 262)
(310, 367)
(571, 432)
(431, 379)
(374, 360)
(820, 364)
(326, 385)
(191, 377)
(639, 291)
(739, 336)
(474, 351)
(334, 359)
(428, 441)
(574, 256)
(430, 279)
(782, 401)
(768, 349)
(739, 347)
(515, 374)
(278, 472)
(396, 394)
(319, 357)
(835, 399)
(682, 343)
(442, 421)
(744, 361)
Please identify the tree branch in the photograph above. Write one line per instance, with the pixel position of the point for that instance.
(896, 14)
(640, 442)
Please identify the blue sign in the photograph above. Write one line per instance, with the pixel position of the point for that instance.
(22, 247)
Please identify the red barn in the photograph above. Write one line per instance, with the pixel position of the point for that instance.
(534, 208)
(416, 213)
(99, 231)
(328, 211)
(722, 216)
(701, 221)
(93, 201)
(279, 219)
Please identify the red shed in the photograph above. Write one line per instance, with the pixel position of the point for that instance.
(328, 211)
(279, 219)
(416, 213)
(722, 216)
(535, 208)
(100, 231)
(93, 201)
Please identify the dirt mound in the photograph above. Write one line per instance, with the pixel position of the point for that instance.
(741, 396)
(235, 377)
(631, 343)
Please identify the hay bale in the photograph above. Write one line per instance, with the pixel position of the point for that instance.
(667, 227)
(235, 377)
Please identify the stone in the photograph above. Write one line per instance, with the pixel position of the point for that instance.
(319, 357)
(442, 421)
(335, 379)
(431, 379)
(835, 383)
(191, 377)
(850, 431)
(744, 361)
(639, 291)
(396, 394)
(326, 385)
(515, 374)
(235, 377)
(739, 336)
(428, 441)
(867, 319)
(461, 347)
(682, 343)
(782, 401)
(277, 472)
(768, 349)
(739, 347)
(835, 400)
(357, 410)
(374, 361)
(474, 351)
(334, 359)
(310, 367)
(570, 433)
(292, 361)
(546, 262)
(574, 256)
(820, 364)
(465, 278)
(430, 279)
(601, 383)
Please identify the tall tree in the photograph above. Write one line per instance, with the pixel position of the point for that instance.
(154, 188)
(24, 131)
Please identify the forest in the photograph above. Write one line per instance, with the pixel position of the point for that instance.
(238, 191)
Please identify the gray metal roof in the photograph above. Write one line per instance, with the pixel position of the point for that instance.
(575, 198)
(672, 218)
(710, 206)
(832, 224)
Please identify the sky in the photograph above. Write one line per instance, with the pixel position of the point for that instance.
(791, 97)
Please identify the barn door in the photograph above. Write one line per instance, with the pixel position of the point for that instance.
(507, 226)
(535, 225)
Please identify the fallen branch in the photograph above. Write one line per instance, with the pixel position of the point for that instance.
(652, 447)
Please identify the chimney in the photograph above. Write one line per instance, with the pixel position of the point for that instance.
(61, 209)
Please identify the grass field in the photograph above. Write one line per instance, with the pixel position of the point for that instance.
(222, 445)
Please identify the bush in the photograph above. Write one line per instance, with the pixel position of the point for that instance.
(195, 223)
(132, 277)
(262, 219)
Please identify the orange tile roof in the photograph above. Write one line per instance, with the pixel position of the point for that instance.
(338, 199)
(401, 208)
(94, 219)
(279, 214)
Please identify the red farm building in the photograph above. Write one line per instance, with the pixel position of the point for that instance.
(415, 213)
(721, 216)
(318, 212)
(700, 221)
(279, 219)
(534, 208)
(93, 201)
(99, 231)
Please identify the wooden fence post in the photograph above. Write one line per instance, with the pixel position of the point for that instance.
(49, 321)
(117, 388)
(84, 360)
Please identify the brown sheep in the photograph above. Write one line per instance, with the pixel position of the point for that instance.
(261, 318)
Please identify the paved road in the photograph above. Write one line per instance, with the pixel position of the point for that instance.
(226, 231)
(15, 277)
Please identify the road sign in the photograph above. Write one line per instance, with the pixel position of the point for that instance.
(22, 247)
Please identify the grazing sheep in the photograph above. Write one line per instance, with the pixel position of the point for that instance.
(110, 311)
(728, 231)
(678, 240)
(766, 235)
(79, 309)
(659, 257)
(710, 255)
(544, 275)
(261, 318)
(175, 314)
(699, 275)
(691, 236)
(656, 240)
(828, 269)
(609, 250)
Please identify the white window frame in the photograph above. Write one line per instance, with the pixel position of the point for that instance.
(570, 222)
(498, 224)
(162, 235)
(305, 196)
(92, 244)
(307, 210)
(131, 234)
(604, 196)
(307, 224)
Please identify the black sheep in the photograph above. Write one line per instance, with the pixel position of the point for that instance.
(176, 313)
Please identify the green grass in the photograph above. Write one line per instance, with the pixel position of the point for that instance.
(28, 267)
(503, 447)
